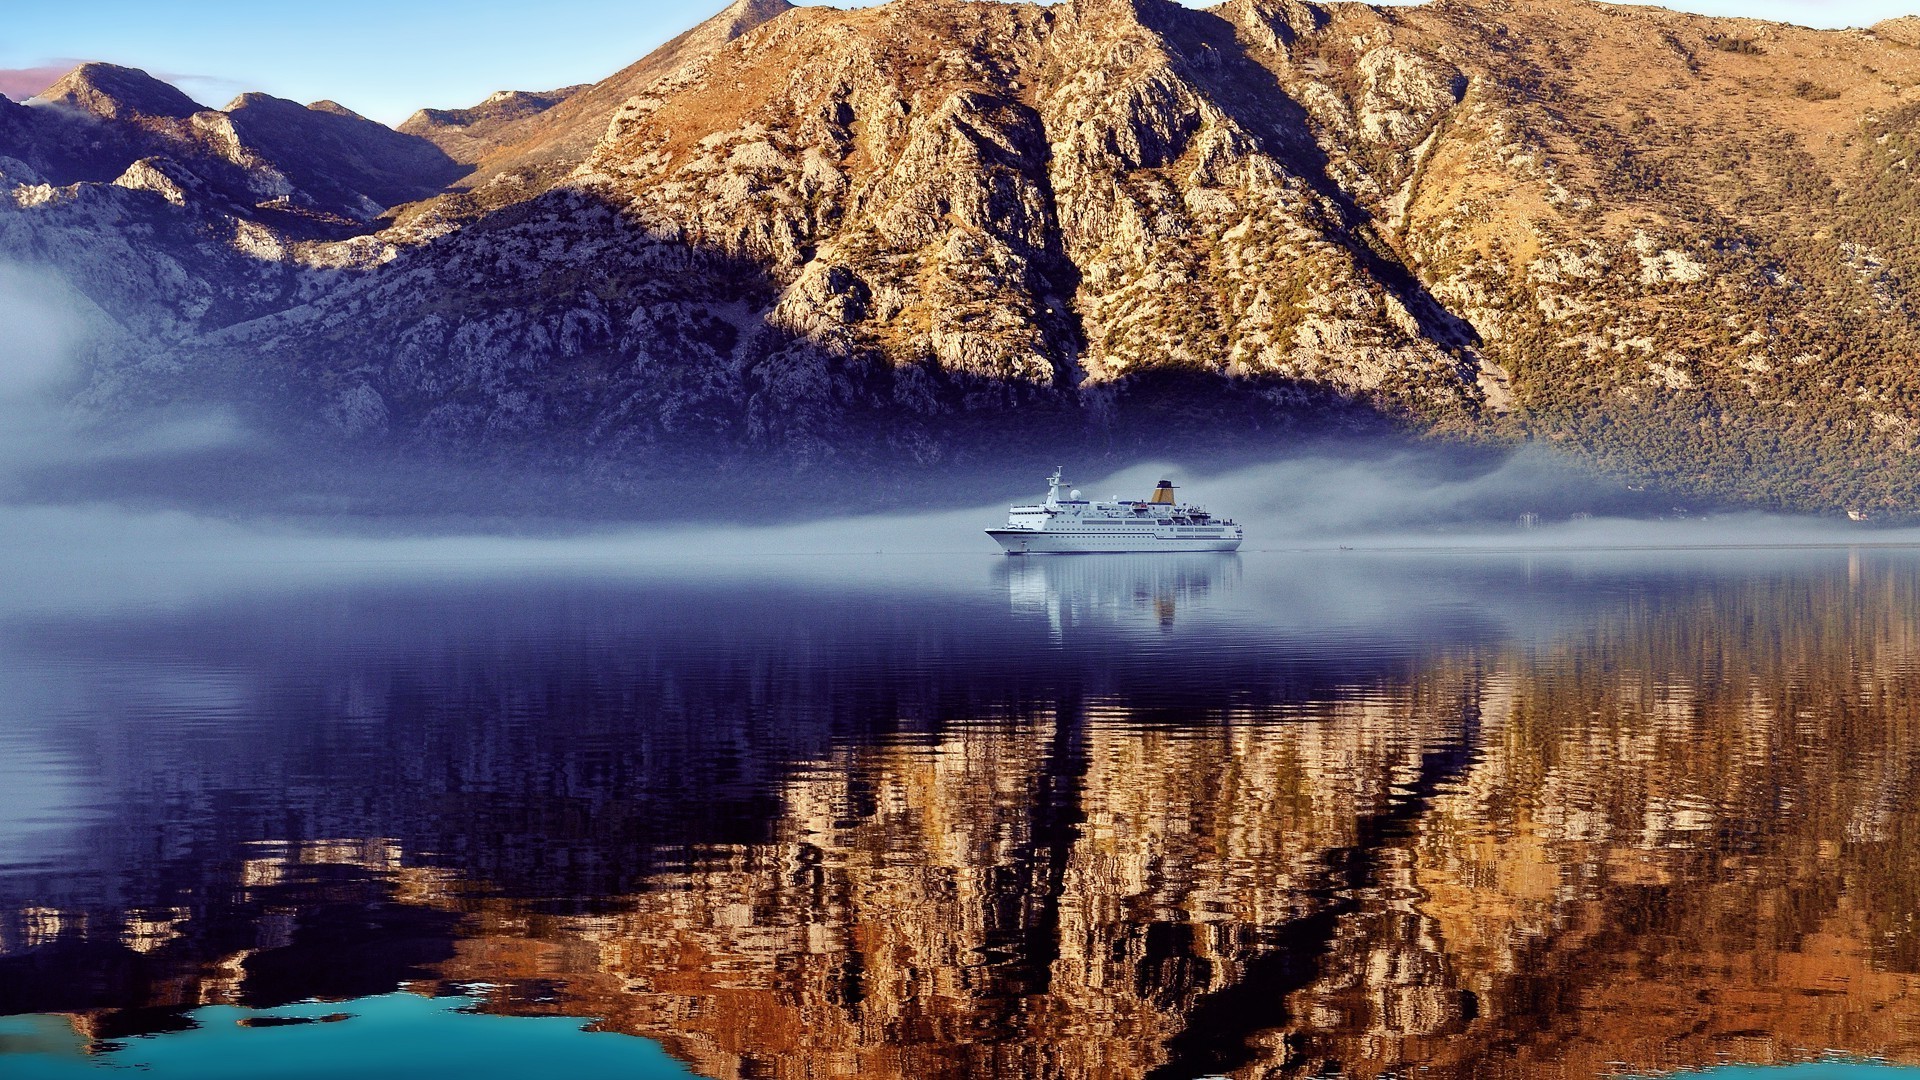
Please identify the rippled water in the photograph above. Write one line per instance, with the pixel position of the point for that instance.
(1279, 814)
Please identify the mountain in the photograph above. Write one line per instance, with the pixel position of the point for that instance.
(521, 144)
(90, 125)
(264, 155)
(550, 142)
(467, 135)
(1679, 248)
(335, 156)
(112, 92)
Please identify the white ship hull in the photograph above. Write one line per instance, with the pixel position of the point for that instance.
(1066, 524)
(1068, 542)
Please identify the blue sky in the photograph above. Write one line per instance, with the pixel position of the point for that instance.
(386, 58)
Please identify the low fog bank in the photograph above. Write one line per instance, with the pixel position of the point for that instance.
(103, 557)
(1530, 500)
(50, 336)
(101, 505)
(45, 330)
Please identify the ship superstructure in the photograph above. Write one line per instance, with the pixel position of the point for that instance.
(1066, 523)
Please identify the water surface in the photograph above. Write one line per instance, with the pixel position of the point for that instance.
(1277, 814)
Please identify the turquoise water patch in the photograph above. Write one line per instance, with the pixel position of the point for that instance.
(1817, 1070)
(393, 1035)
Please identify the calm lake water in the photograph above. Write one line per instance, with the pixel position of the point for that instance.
(1360, 814)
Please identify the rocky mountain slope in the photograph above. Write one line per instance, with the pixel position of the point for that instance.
(523, 142)
(1680, 248)
(263, 154)
(468, 135)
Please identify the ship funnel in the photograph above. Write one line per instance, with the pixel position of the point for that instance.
(1164, 493)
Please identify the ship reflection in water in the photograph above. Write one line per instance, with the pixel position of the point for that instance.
(1070, 590)
(1303, 815)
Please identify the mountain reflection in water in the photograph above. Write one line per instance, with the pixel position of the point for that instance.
(1259, 815)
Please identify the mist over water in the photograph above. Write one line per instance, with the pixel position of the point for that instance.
(82, 536)
(91, 485)
(103, 553)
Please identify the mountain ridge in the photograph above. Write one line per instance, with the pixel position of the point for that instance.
(547, 142)
(1675, 247)
(469, 134)
(113, 92)
(266, 157)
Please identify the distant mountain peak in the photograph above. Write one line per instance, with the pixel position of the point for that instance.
(312, 170)
(737, 18)
(113, 92)
(263, 104)
(256, 99)
(514, 132)
(748, 14)
(470, 134)
(501, 105)
(327, 105)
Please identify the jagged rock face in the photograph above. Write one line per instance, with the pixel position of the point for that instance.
(1675, 245)
(150, 253)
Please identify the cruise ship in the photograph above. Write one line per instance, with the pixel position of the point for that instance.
(1068, 524)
